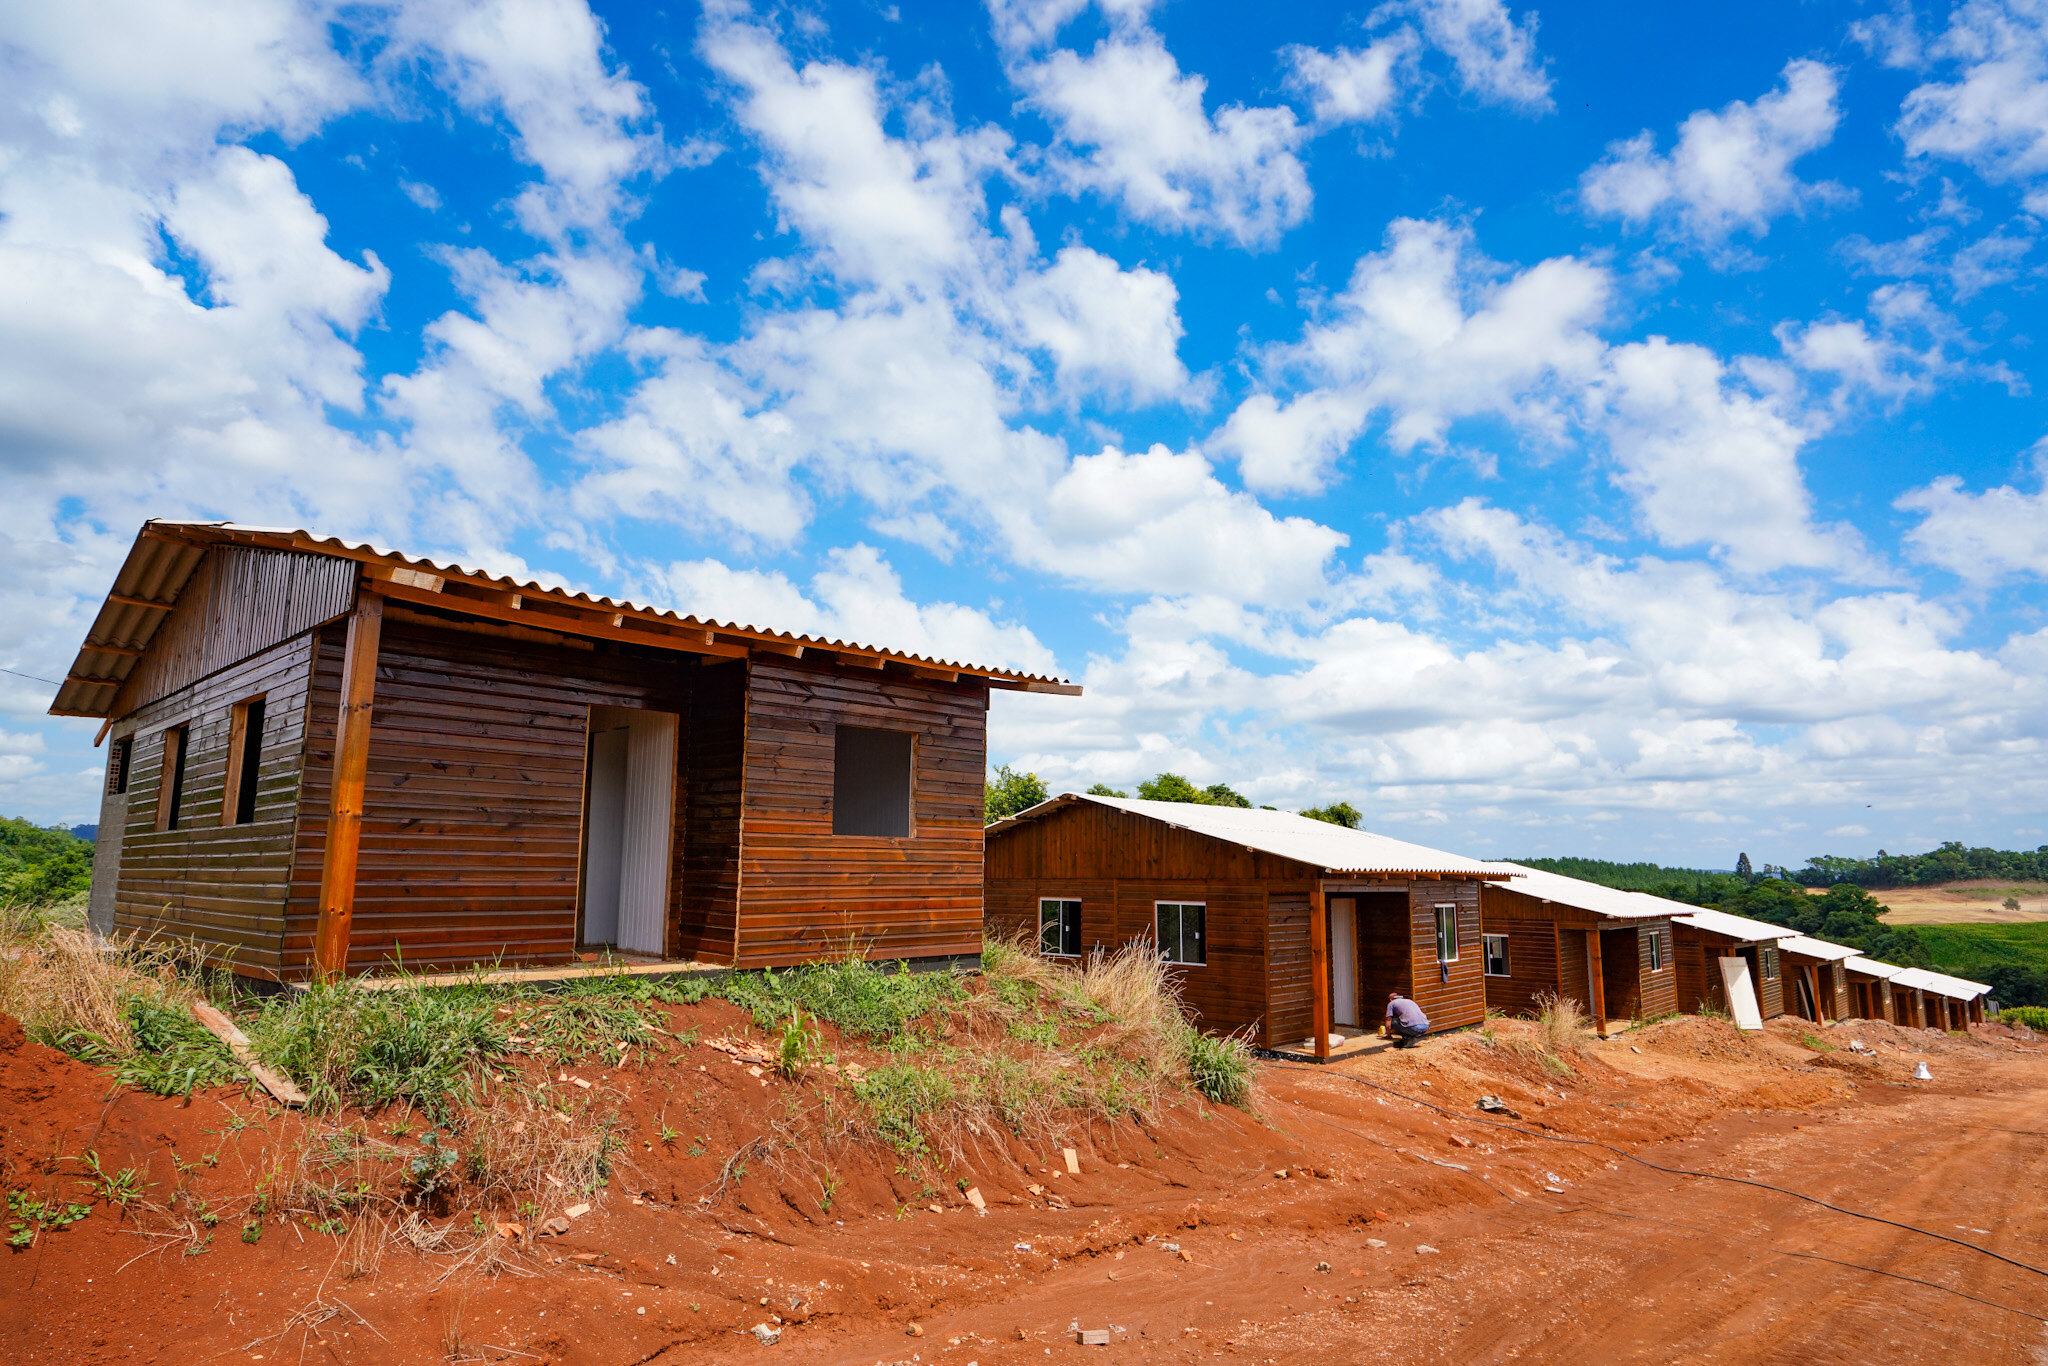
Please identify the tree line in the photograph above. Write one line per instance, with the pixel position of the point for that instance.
(41, 864)
(1008, 792)
(1949, 863)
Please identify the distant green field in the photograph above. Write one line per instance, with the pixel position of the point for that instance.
(2012, 957)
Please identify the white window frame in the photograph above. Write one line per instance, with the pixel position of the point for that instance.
(1486, 943)
(1657, 963)
(1767, 963)
(1202, 935)
(1456, 946)
(1061, 901)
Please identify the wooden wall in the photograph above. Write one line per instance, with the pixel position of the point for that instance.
(1227, 993)
(1657, 991)
(1289, 1004)
(237, 603)
(220, 888)
(705, 897)
(803, 889)
(1459, 997)
(1532, 964)
(473, 811)
(1696, 956)
(1574, 971)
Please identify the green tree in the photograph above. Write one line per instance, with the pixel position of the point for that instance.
(1336, 813)
(1010, 792)
(1742, 866)
(1105, 790)
(1169, 787)
(1218, 794)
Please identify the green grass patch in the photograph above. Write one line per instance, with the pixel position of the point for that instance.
(167, 1052)
(2012, 958)
(865, 1000)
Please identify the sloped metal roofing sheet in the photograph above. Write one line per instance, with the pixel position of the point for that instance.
(1583, 895)
(165, 553)
(1870, 967)
(1739, 927)
(1817, 948)
(1333, 848)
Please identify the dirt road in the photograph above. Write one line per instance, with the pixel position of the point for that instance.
(1398, 1232)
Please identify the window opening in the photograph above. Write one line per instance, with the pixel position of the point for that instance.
(117, 765)
(245, 761)
(871, 781)
(1447, 934)
(1656, 950)
(1770, 964)
(1059, 927)
(171, 784)
(1496, 946)
(1179, 925)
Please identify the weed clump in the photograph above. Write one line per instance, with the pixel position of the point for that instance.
(2033, 1017)
(344, 1042)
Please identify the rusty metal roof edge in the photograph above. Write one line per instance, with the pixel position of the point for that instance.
(298, 538)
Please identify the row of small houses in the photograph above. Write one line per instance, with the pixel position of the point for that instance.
(325, 757)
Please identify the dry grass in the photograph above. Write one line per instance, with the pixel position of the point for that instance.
(1563, 1028)
(527, 1156)
(58, 981)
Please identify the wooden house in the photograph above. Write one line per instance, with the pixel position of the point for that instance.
(1910, 989)
(1286, 927)
(1870, 988)
(325, 757)
(1550, 935)
(1706, 936)
(1819, 984)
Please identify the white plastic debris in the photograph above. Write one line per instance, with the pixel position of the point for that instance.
(1920, 1072)
(766, 1335)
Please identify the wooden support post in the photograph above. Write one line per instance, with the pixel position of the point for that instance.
(345, 792)
(1319, 967)
(1813, 985)
(1596, 983)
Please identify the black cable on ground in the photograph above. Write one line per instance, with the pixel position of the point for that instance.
(1670, 1171)
(1673, 1223)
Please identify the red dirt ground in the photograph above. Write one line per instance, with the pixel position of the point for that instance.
(1184, 1239)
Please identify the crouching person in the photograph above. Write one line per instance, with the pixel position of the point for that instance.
(1406, 1024)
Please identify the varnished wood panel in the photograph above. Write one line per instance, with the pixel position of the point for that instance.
(237, 603)
(220, 889)
(804, 891)
(707, 873)
(474, 804)
(1454, 994)
(1532, 965)
(1288, 1004)
(1657, 991)
(1574, 972)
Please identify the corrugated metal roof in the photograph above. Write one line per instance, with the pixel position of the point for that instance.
(1739, 927)
(1333, 848)
(1870, 967)
(1817, 948)
(165, 553)
(1962, 989)
(1583, 895)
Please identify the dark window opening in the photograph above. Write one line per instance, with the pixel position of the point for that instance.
(1059, 927)
(171, 786)
(245, 762)
(1180, 926)
(117, 765)
(871, 785)
(1496, 954)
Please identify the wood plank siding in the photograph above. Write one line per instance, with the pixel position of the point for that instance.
(237, 604)
(220, 888)
(709, 802)
(1451, 994)
(474, 810)
(803, 889)
(1289, 1009)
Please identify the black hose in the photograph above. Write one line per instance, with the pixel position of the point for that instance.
(1671, 1171)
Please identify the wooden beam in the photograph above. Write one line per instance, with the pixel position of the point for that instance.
(94, 679)
(411, 578)
(105, 726)
(1034, 685)
(351, 771)
(132, 651)
(151, 603)
(788, 649)
(936, 674)
(1596, 984)
(860, 661)
(1319, 967)
(686, 641)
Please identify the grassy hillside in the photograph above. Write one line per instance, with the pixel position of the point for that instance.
(2013, 958)
(39, 865)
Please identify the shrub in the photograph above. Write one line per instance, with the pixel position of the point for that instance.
(345, 1042)
(1562, 1027)
(1221, 1068)
(2033, 1017)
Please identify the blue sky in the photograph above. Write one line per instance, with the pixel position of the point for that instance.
(1606, 429)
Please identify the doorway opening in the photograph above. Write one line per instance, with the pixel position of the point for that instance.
(1385, 954)
(1344, 1011)
(629, 793)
